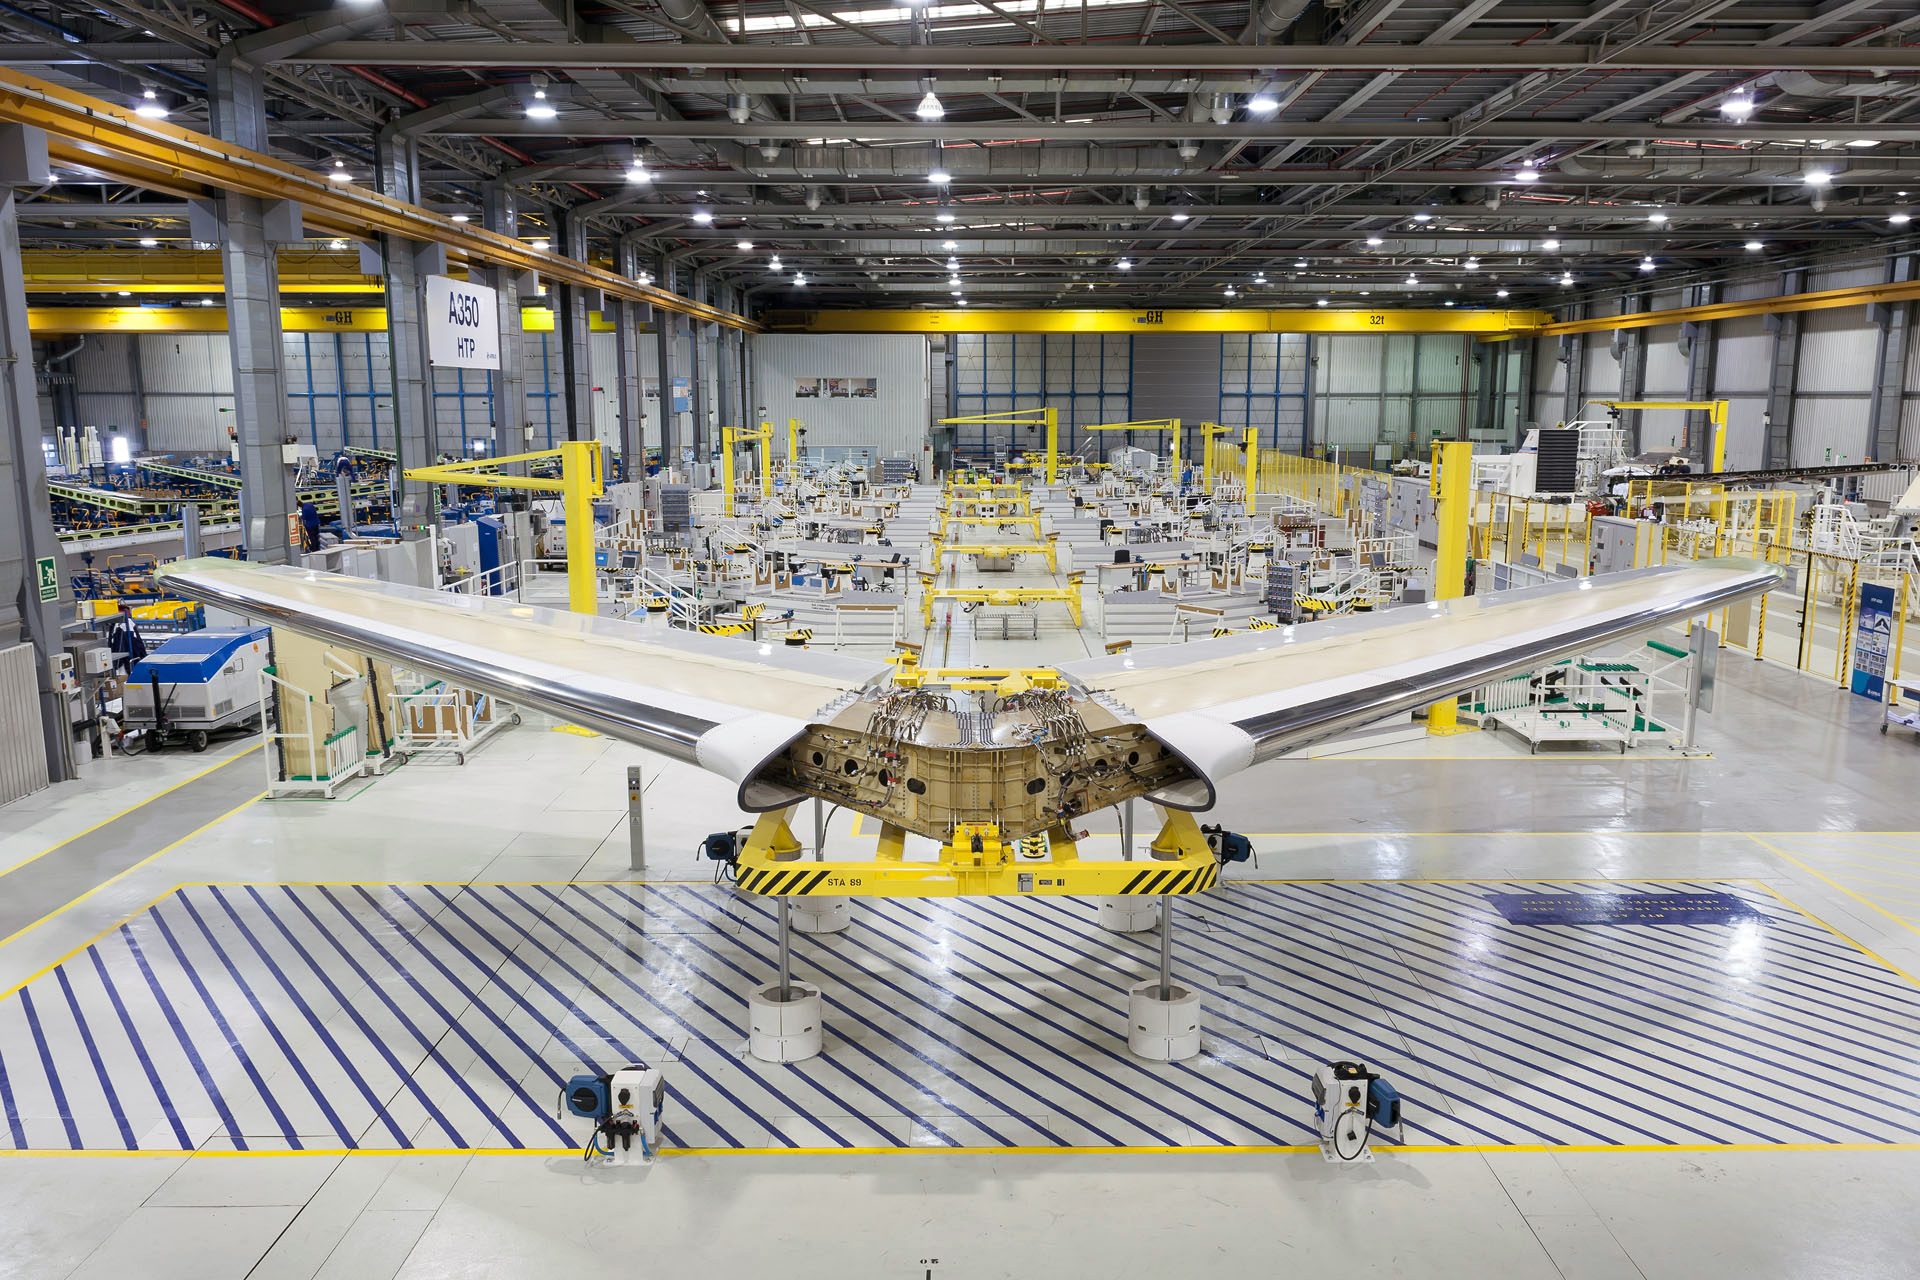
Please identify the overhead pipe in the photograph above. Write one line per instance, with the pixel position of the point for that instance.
(1271, 20)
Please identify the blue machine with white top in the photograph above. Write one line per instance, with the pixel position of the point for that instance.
(197, 684)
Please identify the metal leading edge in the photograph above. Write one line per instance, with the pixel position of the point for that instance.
(692, 700)
(1232, 702)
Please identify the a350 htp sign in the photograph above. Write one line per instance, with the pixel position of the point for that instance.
(463, 325)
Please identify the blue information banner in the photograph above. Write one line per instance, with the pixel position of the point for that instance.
(1622, 908)
(1873, 641)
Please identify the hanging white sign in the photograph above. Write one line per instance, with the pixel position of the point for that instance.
(463, 325)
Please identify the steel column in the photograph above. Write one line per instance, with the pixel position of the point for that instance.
(663, 332)
(403, 263)
(1890, 364)
(1630, 350)
(575, 331)
(1573, 354)
(1702, 343)
(701, 432)
(1777, 417)
(26, 517)
(501, 213)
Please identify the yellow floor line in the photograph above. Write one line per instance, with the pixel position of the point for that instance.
(1850, 941)
(546, 1153)
(24, 929)
(130, 808)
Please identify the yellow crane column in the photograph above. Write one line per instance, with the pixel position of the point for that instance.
(1452, 488)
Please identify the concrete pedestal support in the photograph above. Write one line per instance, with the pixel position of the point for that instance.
(822, 915)
(784, 1025)
(1127, 913)
(1163, 1023)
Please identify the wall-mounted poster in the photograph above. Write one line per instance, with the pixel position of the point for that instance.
(835, 388)
(863, 388)
(806, 388)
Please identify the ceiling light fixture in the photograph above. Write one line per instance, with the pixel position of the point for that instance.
(1263, 104)
(1550, 245)
(1657, 217)
(1500, 293)
(543, 245)
(1300, 262)
(1471, 264)
(540, 108)
(1423, 217)
(340, 173)
(1567, 278)
(150, 107)
(702, 217)
(945, 215)
(774, 263)
(1125, 264)
(1373, 242)
(461, 217)
(1527, 174)
(126, 293)
(1754, 246)
(1646, 264)
(1736, 106)
(1412, 279)
(1817, 177)
(336, 245)
(1179, 215)
(949, 244)
(930, 108)
(638, 173)
(1320, 302)
(1231, 293)
(1900, 219)
(940, 177)
(148, 242)
(800, 279)
(744, 246)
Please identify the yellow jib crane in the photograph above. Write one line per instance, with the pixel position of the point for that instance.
(732, 438)
(579, 484)
(1048, 417)
(1170, 425)
(795, 429)
(1250, 443)
(1716, 411)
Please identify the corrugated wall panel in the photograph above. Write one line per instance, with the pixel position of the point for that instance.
(23, 759)
(1743, 358)
(1350, 364)
(1829, 429)
(1445, 364)
(1549, 374)
(1603, 371)
(1844, 278)
(893, 423)
(1666, 377)
(1176, 375)
(1837, 351)
(1746, 438)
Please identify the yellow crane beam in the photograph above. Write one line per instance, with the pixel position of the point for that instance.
(1100, 320)
(1169, 425)
(182, 271)
(97, 137)
(336, 319)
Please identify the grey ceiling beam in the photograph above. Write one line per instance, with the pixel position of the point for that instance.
(575, 125)
(1277, 242)
(56, 53)
(1543, 214)
(1289, 177)
(1699, 55)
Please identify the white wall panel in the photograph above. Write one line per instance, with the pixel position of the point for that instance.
(1350, 363)
(1837, 351)
(894, 423)
(1746, 436)
(1845, 278)
(1666, 374)
(1743, 356)
(1603, 371)
(1829, 429)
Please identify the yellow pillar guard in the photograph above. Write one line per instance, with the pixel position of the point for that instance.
(1452, 508)
(579, 484)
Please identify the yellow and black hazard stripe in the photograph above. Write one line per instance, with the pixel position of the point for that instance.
(1317, 604)
(798, 636)
(1193, 881)
(782, 882)
(724, 628)
(1031, 846)
(1263, 624)
(1222, 631)
(752, 611)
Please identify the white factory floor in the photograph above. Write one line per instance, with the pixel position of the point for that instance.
(296, 1039)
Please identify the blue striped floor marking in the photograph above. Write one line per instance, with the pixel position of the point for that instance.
(391, 1016)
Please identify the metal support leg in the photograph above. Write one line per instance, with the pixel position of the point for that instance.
(636, 822)
(1166, 946)
(1126, 831)
(786, 953)
(819, 829)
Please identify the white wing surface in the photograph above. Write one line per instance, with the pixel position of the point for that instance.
(725, 704)
(1227, 703)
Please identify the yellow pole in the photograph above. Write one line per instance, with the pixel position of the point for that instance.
(1053, 443)
(1452, 489)
(766, 462)
(581, 481)
(726, 469)
(1252, 464)
(793, 444)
